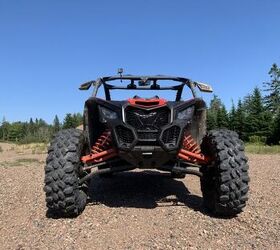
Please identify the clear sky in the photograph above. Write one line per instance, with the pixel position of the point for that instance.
(47, 48)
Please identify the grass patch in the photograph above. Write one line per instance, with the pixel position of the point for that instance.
(1, 149)
(20, 162)
(27, 160)
(31, 148)
(262, 149)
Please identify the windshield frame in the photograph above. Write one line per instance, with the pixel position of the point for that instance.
(108, 85)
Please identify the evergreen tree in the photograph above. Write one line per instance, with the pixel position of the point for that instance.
(222, 117)
(16, 132)
(69, 122)
(232, 118)
(258, 120)
(240, 120)
(42, 123)
(272, 100)
(276, 129)
(217, 116)
(215, 105)
(56, 124)
(78, 119)
(31, 126)
(211, 120)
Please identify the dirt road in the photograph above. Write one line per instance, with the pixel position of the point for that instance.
(136, 210)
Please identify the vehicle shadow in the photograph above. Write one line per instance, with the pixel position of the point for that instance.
(146, 189)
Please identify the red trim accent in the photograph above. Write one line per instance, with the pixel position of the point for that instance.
(142, 102)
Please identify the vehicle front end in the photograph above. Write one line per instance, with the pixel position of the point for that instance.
(145, 133)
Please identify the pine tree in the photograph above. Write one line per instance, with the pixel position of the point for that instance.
(258, 120)
(31, 127)
(222, 117)
(69, 122)
(215, 105)
(78, 119)
(211, 120)
(56, 124)
(275, 137)
(240, 120)
(272, 100)
(232, 118)
(16, 132)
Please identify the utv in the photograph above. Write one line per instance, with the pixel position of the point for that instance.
(146, 133)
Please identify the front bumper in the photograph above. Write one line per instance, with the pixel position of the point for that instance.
(148, 148)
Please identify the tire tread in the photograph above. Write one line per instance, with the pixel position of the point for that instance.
(63, 196)
(225, 184)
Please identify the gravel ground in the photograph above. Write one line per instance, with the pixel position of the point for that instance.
(137, 210)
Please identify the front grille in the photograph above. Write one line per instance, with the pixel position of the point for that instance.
(148, 135)
(125, 135)
(147, 123)
(171, 135)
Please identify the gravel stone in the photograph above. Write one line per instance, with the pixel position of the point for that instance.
(137, 210)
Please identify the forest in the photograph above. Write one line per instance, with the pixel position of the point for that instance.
(256, 117)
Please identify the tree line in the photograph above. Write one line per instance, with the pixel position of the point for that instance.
(37, 130)
(256, 117)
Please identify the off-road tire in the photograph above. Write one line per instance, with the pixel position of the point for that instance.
(224, 184)
(64, 198)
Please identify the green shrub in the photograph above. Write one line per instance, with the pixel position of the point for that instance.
(34, 139)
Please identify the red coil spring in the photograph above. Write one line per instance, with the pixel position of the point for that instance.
(191, 151)
(103, 142)
(190, 144)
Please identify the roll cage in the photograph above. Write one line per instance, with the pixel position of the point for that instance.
(142, 84)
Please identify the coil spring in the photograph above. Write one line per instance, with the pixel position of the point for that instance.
(190, 144)
(103, 142)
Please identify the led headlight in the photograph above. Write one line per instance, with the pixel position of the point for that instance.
(185, 114)
(107, 114)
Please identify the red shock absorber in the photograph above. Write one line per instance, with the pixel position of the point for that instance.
(191, 151)
(102, 150)
(190, 144)
(103, 142)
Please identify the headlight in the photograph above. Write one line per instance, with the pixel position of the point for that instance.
(185, 114)
(107, 114)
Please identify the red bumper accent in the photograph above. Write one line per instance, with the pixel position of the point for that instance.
(142, 102)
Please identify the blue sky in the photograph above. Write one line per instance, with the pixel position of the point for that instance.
(47, 48)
